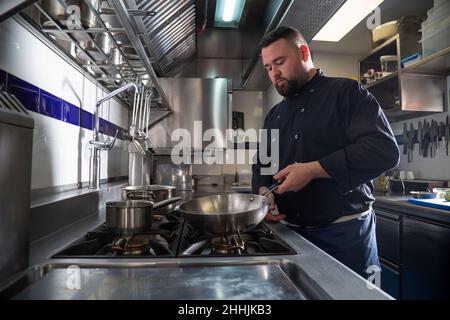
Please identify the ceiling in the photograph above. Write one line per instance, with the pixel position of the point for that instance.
(234, 53)
(358, 40)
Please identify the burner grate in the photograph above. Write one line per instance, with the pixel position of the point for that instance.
(258, 241)
(161, 241)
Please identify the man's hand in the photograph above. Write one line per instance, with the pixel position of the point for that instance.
(270, 216)
(296, 176)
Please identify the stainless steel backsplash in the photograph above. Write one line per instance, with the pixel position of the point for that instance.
(192, 99)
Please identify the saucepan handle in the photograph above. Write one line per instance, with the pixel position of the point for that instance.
(166, 202)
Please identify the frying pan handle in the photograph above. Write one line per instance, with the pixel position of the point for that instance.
(272, 188)
(166, 202)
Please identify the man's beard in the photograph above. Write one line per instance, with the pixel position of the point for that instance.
(290, 87)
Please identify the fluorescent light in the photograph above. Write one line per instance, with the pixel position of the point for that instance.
(230, 7)
(228, 13)
(345, 19)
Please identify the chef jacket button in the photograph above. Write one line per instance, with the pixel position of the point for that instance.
(302, 110)
(278, 117)
(296, 136)
(312, 90)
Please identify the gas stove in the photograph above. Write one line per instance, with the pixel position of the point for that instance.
(161, 241)
(259, 241)
(172, 236)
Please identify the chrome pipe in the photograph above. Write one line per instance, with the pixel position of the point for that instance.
(106, 98)
(97, 146)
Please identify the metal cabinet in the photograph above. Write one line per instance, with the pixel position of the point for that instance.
(426, 260)
(390, 278)
(388, 236)
(16, 140)
(388, 241)
(414, 255)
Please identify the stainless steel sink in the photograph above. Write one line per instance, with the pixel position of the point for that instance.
(273, 280)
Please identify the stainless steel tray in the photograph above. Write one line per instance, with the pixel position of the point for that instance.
(271, 281)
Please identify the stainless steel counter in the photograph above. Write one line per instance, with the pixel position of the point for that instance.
(309, 274)
(400, 204)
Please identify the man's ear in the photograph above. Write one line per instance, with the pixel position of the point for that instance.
(305, 52)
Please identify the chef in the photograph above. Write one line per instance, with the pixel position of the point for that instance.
(333, 140)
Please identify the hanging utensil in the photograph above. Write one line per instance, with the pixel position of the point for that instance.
(411, 139)
(447, 135)
(133, 116)
(427, 139)
(434, 135)
(405, 138)
(420, 137)
(136, 126)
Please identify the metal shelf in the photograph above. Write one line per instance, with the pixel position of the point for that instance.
(410, 92)
(110, 55)
(436, 64)
(386, 48)
(382, 80)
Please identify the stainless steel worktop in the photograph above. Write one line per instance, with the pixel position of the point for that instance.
(309, 274)
(399, 204)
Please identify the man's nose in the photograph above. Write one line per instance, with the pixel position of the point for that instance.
(275, 72)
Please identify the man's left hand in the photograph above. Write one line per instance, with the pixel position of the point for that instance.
(296, 176)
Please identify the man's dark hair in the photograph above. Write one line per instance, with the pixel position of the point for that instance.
(290, 34)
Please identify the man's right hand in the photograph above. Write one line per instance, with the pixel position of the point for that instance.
(269, 215)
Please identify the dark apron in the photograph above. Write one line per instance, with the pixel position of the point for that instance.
(353, 243)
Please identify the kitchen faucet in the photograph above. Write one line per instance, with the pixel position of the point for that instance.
(97, 145)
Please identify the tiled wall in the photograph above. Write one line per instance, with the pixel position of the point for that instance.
(47, 104)
(62, 102)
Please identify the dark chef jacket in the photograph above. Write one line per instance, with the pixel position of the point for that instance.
(339, 123)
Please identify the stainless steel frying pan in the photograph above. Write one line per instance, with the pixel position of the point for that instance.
(226, 214)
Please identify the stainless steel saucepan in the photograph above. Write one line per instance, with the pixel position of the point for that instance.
(154, 193)
(226, 214)
(132, 216)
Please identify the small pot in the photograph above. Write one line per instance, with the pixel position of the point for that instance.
(132, 216)
(154, 193)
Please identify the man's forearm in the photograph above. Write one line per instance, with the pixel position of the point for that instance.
(317, 171)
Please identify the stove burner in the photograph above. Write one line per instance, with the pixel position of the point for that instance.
(131, 245)
(258, 241)
(228, 245)
(140, 244)
(161, 241)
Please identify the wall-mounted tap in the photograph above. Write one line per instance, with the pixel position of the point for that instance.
(97, 145)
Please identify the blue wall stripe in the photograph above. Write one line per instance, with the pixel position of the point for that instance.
(50, 105)
(17, 82)
(71, 113)
(29, 99)
(86, 119)
(47, 104)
